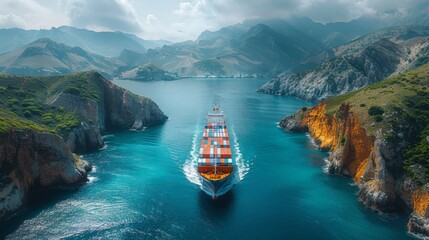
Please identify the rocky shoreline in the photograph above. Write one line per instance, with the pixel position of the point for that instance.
(31, 160)
(372, 162)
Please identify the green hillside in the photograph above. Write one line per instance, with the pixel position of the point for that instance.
(45, 57)
(399, 106)
(24, 101)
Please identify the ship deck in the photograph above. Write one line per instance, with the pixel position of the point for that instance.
(215, 157)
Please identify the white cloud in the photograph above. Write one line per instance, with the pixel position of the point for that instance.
(199, 15)
(198, 8)
(158, 18)
(29, 14)
(185, 8)
(11, 20)
(151, 19)
(113, 15)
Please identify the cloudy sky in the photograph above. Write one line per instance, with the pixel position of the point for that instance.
(179, 20)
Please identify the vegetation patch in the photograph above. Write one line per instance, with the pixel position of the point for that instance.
(377, 118)
(23, 101)
(343, 141)
(422, 60)
(9, 121)
(82, 84)
(417, 118)
(375, 110)
(400, 108)
(210, 66)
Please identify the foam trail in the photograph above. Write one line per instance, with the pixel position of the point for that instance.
(190, 165)
(107, 136)
(312, 141)
(242, 166)
(327, 165)
(92, 179)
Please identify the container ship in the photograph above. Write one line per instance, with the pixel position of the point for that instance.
(215, 164)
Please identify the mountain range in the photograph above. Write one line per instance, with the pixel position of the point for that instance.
(254, 48)
(359, 63)
(108, 44)
(45, 57)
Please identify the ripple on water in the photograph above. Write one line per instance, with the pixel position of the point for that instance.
(191, 163)
(147, 185)
(243, 166)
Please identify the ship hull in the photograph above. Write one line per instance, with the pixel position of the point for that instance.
(215, 163)
(216, 189)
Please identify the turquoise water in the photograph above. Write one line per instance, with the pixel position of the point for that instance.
(144, 184)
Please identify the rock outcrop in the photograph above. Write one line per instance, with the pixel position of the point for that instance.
(416, 198)
(373, 163)
(116, 108)
(127, 110)
(146, 73)
(340, 75)
(32, 160)
(356, 64)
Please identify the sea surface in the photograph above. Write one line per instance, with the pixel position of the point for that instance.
(144, 184)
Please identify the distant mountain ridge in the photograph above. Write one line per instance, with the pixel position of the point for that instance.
(108, 44)
(45, 57)
(357, 64)
(259, 47)
(236, 51)
(254, 48)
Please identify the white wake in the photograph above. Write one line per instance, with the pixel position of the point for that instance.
(191, 163)
(242, 165)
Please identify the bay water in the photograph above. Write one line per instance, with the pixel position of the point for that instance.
(144, 184)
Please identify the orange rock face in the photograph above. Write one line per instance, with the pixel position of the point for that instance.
(420, 202)
(341, 132)
(364, 158)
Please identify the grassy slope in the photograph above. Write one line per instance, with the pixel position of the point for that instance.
(23, 101)
(405, 102)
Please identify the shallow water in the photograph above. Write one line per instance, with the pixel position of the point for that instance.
(144, 185)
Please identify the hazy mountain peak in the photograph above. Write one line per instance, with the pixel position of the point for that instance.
(45, 41)
(47, 57)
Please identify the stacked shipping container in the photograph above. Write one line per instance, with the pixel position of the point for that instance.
(215, 147)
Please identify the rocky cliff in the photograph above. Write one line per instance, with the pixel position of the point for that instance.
(356, 64)
(110, 107)
(382, 147)
(44, 121)
(31, 160)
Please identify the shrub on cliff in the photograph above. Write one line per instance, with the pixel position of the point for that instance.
(378, 118)
(343, 141)
(27, 114)
(375, 110)
(418, 119)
